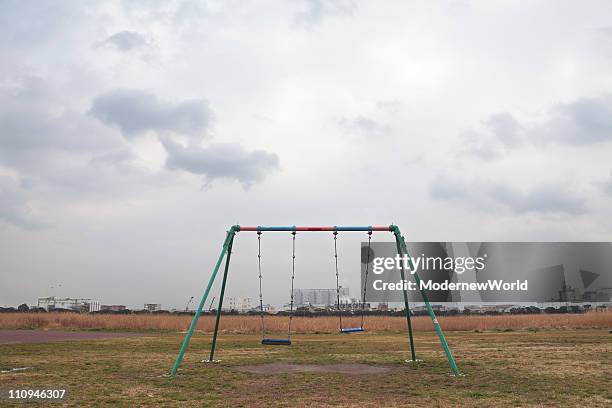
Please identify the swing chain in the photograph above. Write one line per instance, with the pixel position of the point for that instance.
(292, 280)
(261, 310)
(365, 279)
(337, 277)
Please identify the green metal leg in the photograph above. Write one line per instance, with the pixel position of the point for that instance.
(406, 305)
(417, 279)
(218, 317)
(194, 322)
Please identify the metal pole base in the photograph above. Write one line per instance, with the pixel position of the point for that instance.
(210, 361)
(413, 361)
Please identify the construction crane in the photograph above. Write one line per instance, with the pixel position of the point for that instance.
(191, 300)
(188, 303)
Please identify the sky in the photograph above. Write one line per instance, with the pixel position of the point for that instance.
(133, 134)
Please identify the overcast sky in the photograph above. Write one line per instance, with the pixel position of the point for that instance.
(133, 134)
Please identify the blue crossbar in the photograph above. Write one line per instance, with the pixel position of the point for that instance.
(352, 330)
(276, 342)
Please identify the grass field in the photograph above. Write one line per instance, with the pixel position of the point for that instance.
(527, 368)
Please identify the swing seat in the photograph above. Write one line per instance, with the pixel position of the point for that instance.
(352, 330)
(276, 342)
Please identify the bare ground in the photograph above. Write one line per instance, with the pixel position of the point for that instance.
(277, 368)
(40, 336)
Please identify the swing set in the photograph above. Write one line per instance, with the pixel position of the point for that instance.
(226, 252)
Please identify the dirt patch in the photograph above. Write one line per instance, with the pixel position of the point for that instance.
(39, 336)
(280, 368)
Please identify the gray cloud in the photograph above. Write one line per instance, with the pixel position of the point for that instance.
(606, 32)
(113, 158)
(315, 11)
(543, 199)
(480, 145)
(135, 111)
(39, 134)
(14, 205)
(391, 106)
(25, 131)
(607, 186)
(505, 128)
(501, 131)
(126, 40)
(59, 153)
(585, 121)
(222, 161)
(30, 119)
(51, 18)
(364, 126)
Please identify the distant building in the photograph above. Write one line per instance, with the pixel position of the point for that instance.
(567, 293)
(152, 307)
(482, 308)
(94, 306)
(436, 308)
(600, 295)
(320, 297)
(51, 303)
(355, 305)
(241, 304)
(383, 307)
(112, 308)
(266, 308)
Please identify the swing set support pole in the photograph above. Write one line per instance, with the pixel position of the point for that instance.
(218, 317)
(406, 305)
(194, 322)
(400, 239)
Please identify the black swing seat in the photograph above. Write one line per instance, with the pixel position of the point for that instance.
(352, 330)
(276, 342)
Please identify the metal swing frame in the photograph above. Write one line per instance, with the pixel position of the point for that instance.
(226, 253)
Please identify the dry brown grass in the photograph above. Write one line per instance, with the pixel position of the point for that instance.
(551, 368)
(251, 324)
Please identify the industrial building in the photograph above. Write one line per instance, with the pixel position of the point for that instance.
(152, 307)
(238, 303)
(320, 297)
(51, 303)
